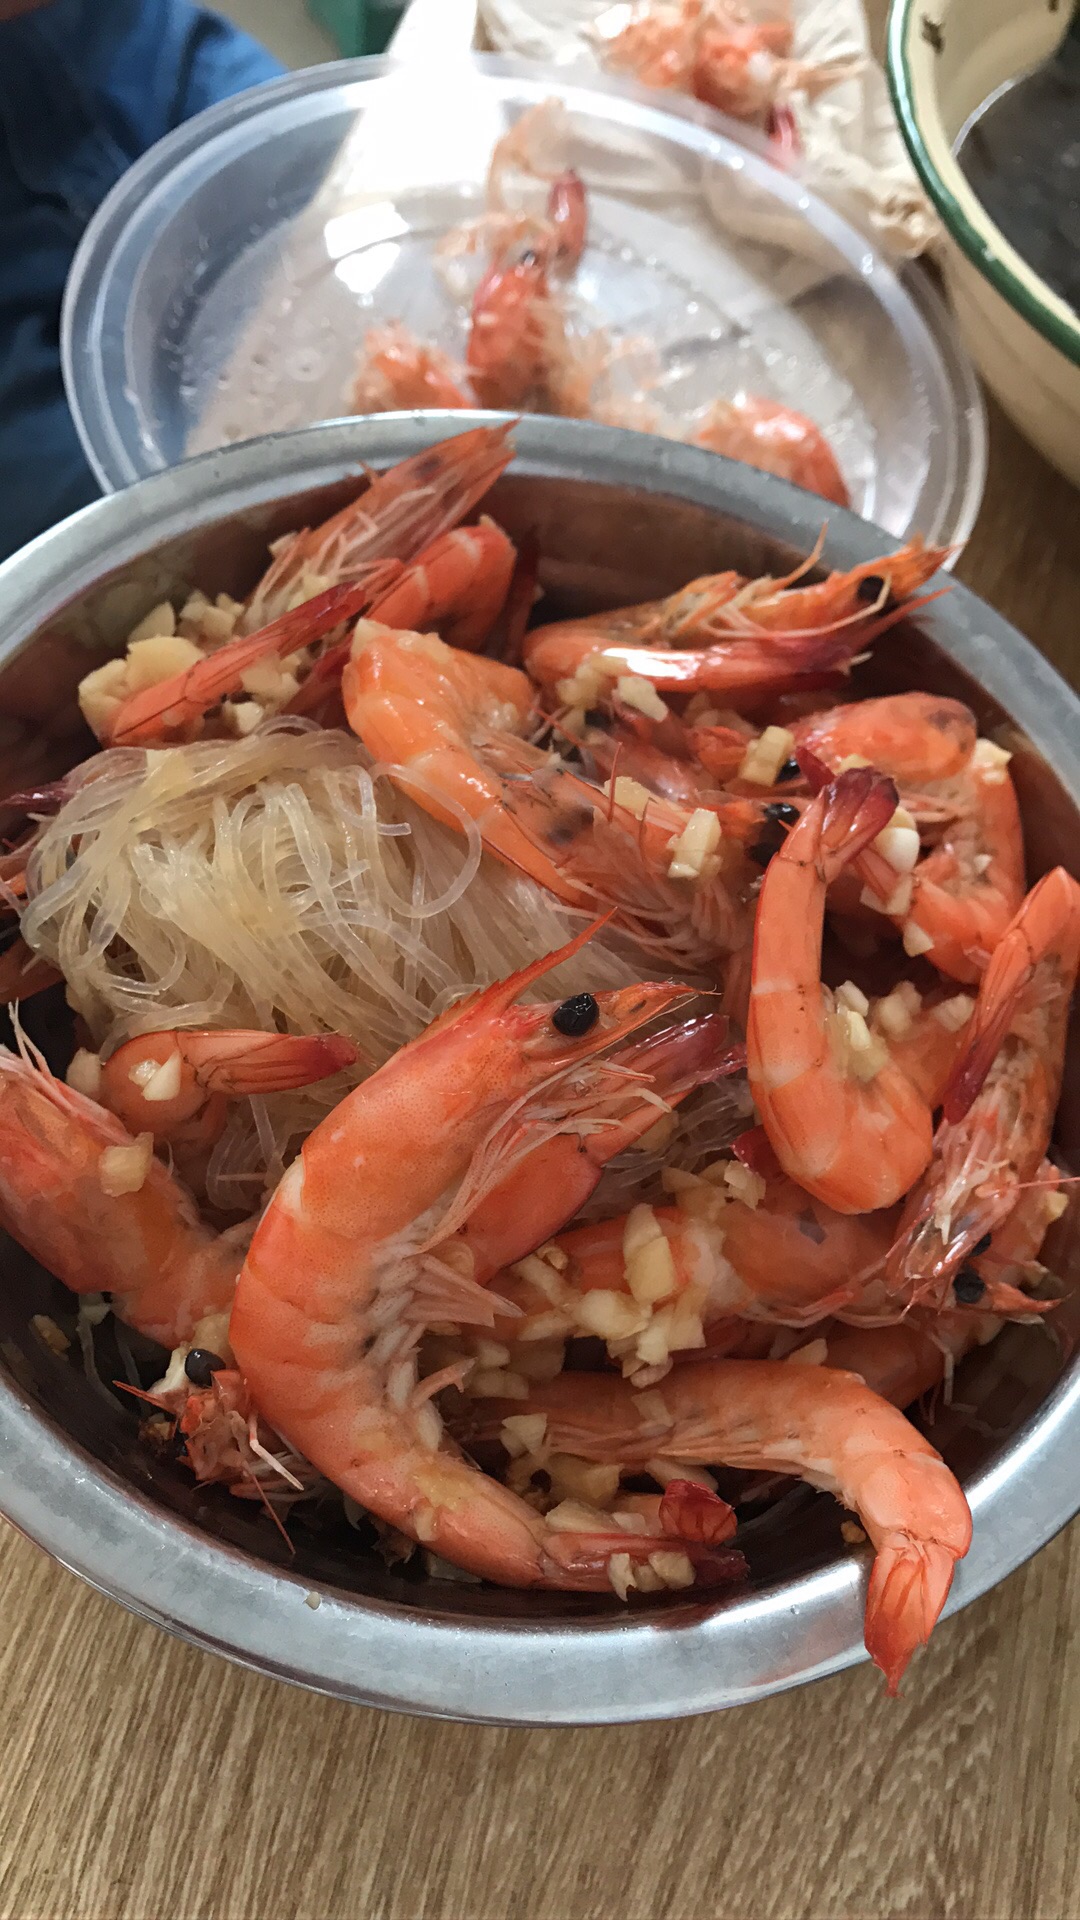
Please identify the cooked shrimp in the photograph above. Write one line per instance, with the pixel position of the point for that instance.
(165, 687)
(460, 583)
(101, 1213)
(517, 335)
(823, 1426)
(999, 1108)
(397, 373)
(743, 66)
(513, 331)
(124, 709)
(733, 60)
(531, 152)
(954, 905)
(965, 891)
(177, 1084)
(659, 1281)
(904, 1361)
(339, 1282)
(843, 1119)
(915, 738)
(765, 433)
(401, 513)
(780, 1255)
(730, 627)
(553, 1182)
(448, 724)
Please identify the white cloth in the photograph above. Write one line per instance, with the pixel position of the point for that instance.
(852, 151)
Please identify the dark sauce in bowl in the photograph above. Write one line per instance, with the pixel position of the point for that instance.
(1021, 154)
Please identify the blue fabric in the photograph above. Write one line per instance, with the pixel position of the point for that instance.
(86, 86)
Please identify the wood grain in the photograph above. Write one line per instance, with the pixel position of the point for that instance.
(141, 1780)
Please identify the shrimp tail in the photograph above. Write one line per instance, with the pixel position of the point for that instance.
(689, 1512)
(239, 1063)
(909, 1586)
(860, 803)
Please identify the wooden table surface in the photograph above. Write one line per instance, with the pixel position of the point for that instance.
(141, 1780)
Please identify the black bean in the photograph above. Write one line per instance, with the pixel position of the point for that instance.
(789, 771)
(576, 1015)
(783, 811)
(981, 1246)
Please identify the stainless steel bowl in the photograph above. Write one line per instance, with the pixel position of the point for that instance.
(620, 518)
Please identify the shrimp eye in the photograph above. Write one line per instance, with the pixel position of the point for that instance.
(982, 1246)
(871, 587)
(783, 811)
(576, 1015)
(789, 771)
(200, 1365)
(968, 1287)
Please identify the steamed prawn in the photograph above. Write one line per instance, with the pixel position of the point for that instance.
(450, 725)
(164, 687)
(724, 633)
(1000, 1105)
(101, 1213)
(843, 1119)
(823, 1426)
(342, 1275)
(775, 438)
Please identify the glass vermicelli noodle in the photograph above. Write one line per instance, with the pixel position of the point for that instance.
(279, 881)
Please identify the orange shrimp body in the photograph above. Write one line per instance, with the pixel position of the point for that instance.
(553, 1182)
(915, 738)
(764, 433)
(856, 1134)
(967, 889)
(821, 1425)
(341, 1276)
(423, 708)
(458, 583)
(510, 333)
(400, 513)
(825, 624)
(1000, 1105)
(448, 724)
(180, 1082)
(67, 1196)
(789, 1260)
(396, 372)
